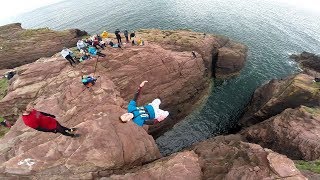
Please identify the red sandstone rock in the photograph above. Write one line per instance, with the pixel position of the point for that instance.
(183, 165)
(21, 46)
(106, 145)
(230, 56)
(227, 157)
(294, 132)
(278, 95)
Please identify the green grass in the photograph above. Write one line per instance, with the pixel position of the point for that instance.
(34, 32)
(3, 87)
(3, 131)
(313, 166)
(313, 111)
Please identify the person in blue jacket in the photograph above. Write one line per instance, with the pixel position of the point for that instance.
(88, 81)
(93, 51)
(149, 114)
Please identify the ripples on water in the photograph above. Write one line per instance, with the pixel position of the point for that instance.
(270, 31)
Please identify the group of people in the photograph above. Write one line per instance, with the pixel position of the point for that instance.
(148, 114)
(92, 46)
(131, 38)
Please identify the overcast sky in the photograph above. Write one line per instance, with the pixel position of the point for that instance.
(14, 7)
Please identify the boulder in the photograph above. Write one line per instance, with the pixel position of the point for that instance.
(227, 157)
(278, 95)
(183, 165)
(308, 61)
(294, 132)
(21, 46)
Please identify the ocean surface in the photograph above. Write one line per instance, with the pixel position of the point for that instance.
(270, 29)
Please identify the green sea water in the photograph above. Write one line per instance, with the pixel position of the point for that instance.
(271, 31)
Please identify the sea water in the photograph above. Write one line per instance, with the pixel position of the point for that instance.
(270, 29)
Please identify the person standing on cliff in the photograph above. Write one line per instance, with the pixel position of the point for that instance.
(132, 36)
(117, 33)
(149, 114)
(66, 53)
(125, 32)
(45, 122)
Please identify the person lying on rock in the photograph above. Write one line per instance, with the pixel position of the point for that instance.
(67, 54)
(45, 122)
(96, 42)
(114, 45)
(88, 81)
(149, 114)
(81, 45)
(4, 123)
(93, 51)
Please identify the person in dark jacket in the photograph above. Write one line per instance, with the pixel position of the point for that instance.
(45, 122)
(132, 35)
(4, 123)
(117, 33)
(149, 114)
(125, 32)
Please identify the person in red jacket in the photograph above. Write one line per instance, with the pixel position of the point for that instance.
(45, 122)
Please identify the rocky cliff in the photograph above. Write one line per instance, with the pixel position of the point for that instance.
(223, 157)
(106, 145)
(285, 114)
(20, 46)
(277, 95)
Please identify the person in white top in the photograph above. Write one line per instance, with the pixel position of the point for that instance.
(81, 45)
(66, 53)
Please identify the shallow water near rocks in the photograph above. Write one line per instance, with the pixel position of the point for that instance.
(270, 30)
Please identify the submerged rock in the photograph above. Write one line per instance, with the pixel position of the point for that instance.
(21, 46)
